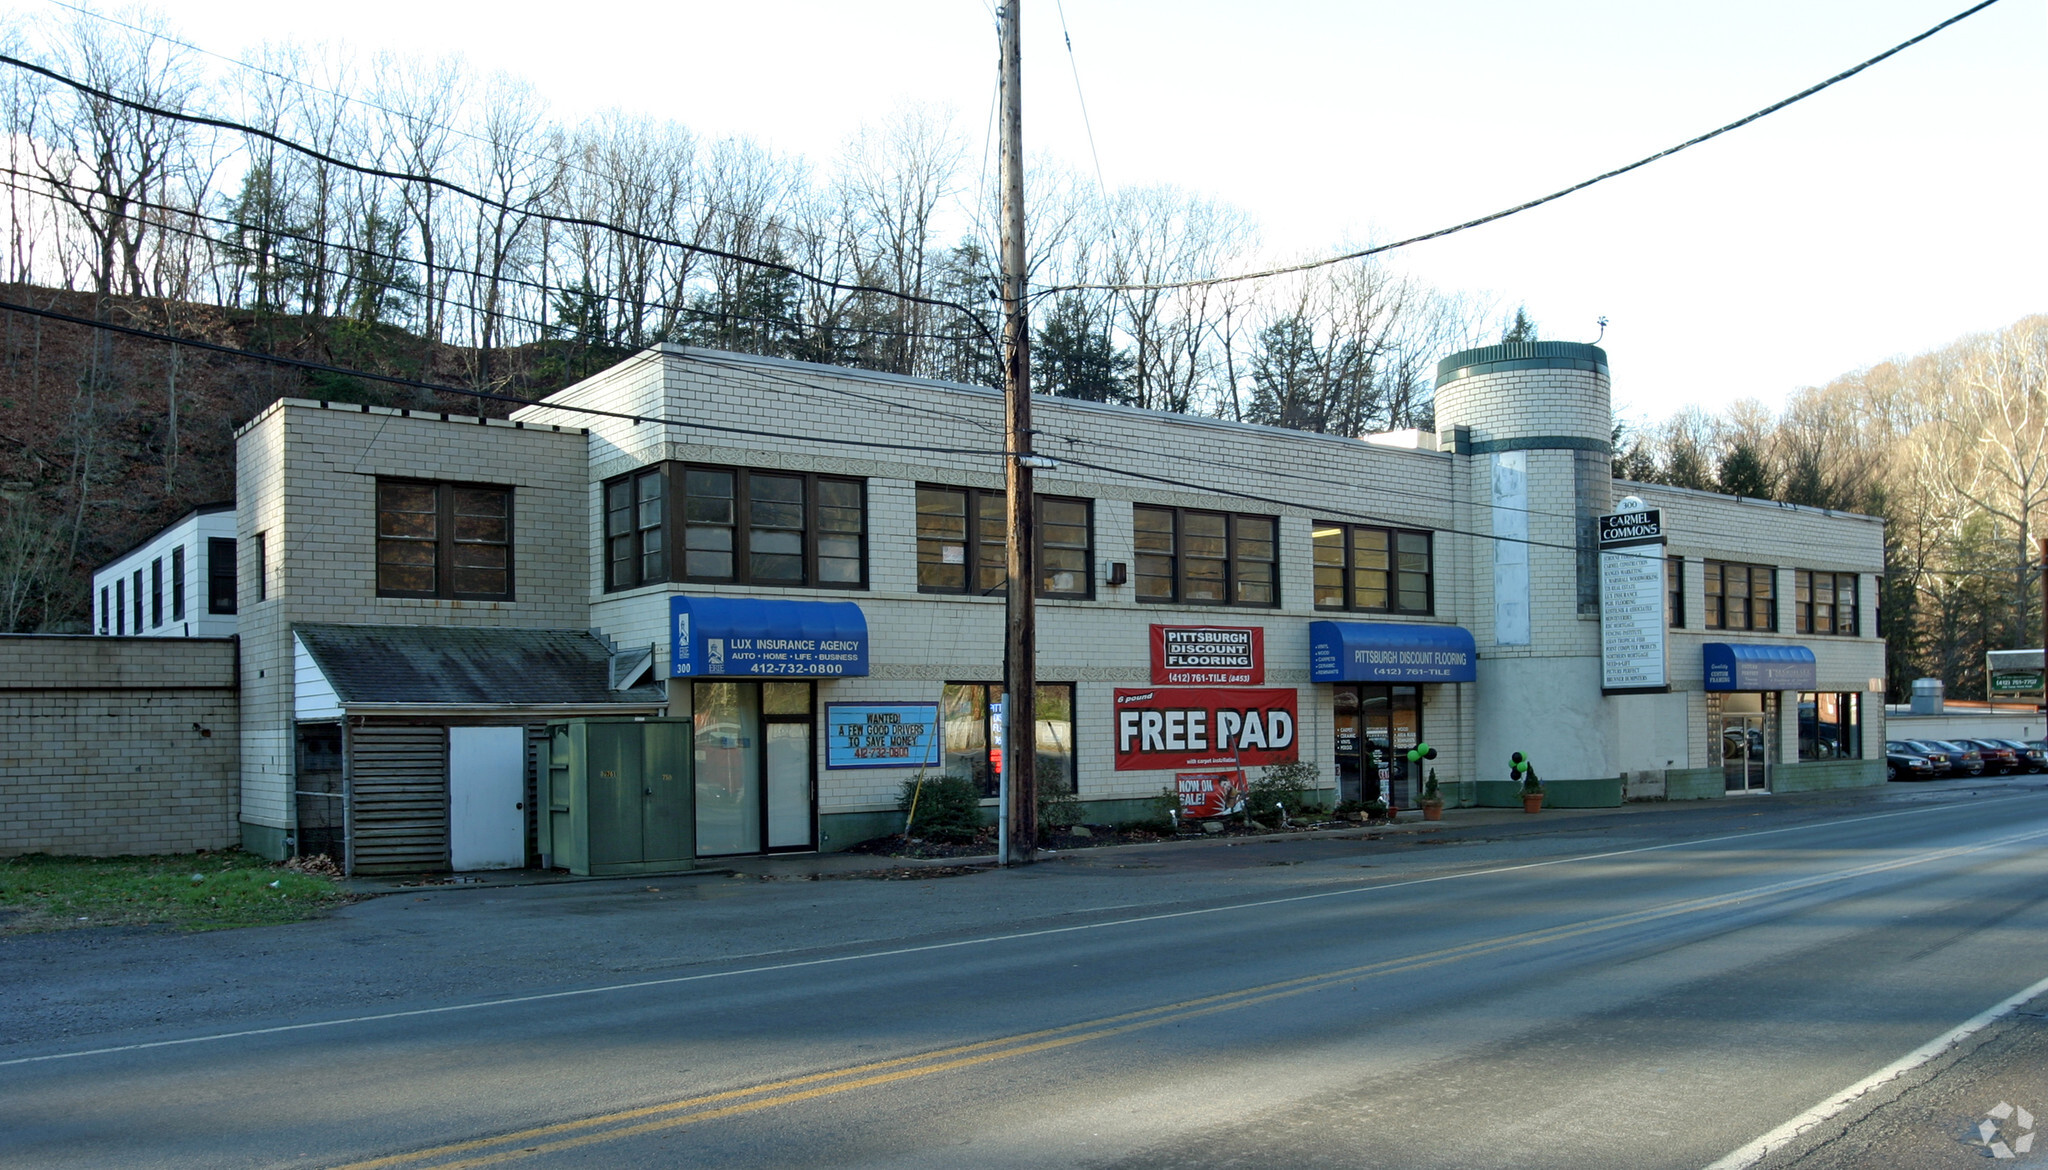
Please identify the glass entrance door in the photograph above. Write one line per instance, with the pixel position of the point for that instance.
(1745, 753)
(1742, 725)
(1376, 724)
(756, 788)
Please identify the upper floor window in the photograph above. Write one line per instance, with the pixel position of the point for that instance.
(1387, 570)
(1674, 590)
(963, 543)
(1206, 558)
(683, 522)
(1740, 597)
(1825, 603)
(178, 584)
(437, 540)
(220, 574)
(156, 593)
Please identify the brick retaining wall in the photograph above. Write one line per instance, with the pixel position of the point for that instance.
(117, 745)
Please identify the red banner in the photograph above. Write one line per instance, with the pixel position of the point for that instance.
(1209, 794)
(1193, 727)
(1193, 656)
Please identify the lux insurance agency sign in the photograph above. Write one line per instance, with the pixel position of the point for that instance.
(1193, 656)
(1194, 727)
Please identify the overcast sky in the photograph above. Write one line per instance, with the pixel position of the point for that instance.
(1892, 213)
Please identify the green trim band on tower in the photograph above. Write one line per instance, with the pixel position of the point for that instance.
(1521, 355)
(1543, 443)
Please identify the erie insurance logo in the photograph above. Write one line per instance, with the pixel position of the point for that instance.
(2007, 1131)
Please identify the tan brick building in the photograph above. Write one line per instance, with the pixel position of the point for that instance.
(1448, 590)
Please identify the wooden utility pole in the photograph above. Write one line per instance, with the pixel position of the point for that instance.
(1020, 643)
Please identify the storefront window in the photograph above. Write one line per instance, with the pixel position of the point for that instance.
(754, 766)
(1830, 727)
(972, 738)
(1376, 724)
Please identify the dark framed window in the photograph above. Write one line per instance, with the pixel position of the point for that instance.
(967, 711)
(262, 566)
(635, 512)
(1674, 589)
(1740, 597)
(137, 588)
(963, 543)
(1824, 603)
(732, 525)
(441, 540)
(220, 574)
(1830, 726)
(121, 605)
(178, 584)
(1206, 558)
(106, 622)
(1383, 570)
(156, 593)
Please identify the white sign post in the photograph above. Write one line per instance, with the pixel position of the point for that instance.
(1632, 600)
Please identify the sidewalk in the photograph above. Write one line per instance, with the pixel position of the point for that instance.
(815, 866)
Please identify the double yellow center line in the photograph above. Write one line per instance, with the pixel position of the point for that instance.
(670, 1115)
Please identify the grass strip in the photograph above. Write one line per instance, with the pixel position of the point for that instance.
(189, 891)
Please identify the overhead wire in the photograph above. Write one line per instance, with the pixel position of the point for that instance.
(1528, 205)
(487, 201)
(481, 395)
(358, 250)
(565, 162)
(1339, 512)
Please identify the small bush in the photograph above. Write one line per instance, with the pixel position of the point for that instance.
(1057, 809)
(948, 810)
(1293, 787)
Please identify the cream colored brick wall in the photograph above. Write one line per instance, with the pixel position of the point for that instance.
(307, 477)
(116, 745)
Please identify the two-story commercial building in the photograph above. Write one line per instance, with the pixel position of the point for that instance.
(807, 562)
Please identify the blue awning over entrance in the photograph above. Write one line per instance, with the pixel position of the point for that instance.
(1735, 666)
(1390, 652)
(766, 637)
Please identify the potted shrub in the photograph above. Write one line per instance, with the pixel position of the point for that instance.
(1532, 788)
(1376, 810)
(1432, 801)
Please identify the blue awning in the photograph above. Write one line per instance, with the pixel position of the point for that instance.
(1734, 666)
(1390, 652)
(766, 637)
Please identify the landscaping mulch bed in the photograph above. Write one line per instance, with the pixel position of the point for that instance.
(1090, 837)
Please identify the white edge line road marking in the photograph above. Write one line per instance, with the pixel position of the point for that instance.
(1778, 1138)
(985, 940)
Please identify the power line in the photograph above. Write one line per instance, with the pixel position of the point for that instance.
(522, 282)
(1286, 270)
(1338, 513)
(482, 395)
(564, 162)
(487, 201)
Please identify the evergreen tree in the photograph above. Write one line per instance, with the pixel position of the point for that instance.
(1522, 328)
(1743, 472)
(1286, 382)
(1071, 358)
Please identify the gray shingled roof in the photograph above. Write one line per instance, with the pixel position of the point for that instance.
(460, 666)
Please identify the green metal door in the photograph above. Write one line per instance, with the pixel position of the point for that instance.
(667, 827)
(616, 800)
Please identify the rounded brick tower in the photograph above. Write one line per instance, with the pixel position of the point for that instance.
(1535, 419)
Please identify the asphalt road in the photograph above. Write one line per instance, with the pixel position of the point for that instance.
(1661, 987)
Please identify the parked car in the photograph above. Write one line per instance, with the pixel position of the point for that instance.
(1997, 756)
(2033, 757)
(1902, 762)
(1939, 757)
(1963, 760)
